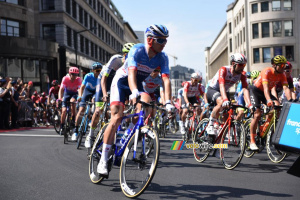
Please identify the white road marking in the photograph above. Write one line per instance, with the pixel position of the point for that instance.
(27, 135)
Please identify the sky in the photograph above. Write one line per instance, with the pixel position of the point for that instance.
(193, 25)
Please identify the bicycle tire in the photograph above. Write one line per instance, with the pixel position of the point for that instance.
(233, 154)
(56, 123)
(81, 133)
(275, 155)
(201, 153)
(95, 157)
(131, 187)
(172, 126)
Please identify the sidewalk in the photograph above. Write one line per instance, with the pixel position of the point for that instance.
(25, 128)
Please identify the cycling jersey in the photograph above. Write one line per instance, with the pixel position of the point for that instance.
(268, 76)
(225, 76)
(150, 84)
(297, 87)
(109, 70)
(90, 82)
(138, 59)
(180, 93)
(53, 93)
(70, 87)
(43, 100)
(193, 90)
(35, 99)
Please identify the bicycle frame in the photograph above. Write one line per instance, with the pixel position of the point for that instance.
(85, 121)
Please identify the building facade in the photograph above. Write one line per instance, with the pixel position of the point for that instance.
(49, 36)
(260, 29)
(179, 74)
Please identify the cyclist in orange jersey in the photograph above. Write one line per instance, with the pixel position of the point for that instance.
(260, 91)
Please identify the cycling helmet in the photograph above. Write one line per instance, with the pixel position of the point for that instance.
(248, 75)
(127, 47)
(278, 60)
(35, 93)
(295, 80)
(157, 31)
(54, 82)
(238, 58)
(43, 94)
(288, 65)
(74, 70)
(254, 74)
(195, 76)
(97, 65)
(182, 84)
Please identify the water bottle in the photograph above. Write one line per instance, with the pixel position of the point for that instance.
(127, 132)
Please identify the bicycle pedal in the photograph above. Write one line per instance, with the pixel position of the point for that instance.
(104, 176)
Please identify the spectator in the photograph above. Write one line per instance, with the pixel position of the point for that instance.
(14, 104)
(5, 97)
(30, 89)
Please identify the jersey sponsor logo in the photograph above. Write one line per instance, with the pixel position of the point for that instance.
(91, 86)
(144, 68)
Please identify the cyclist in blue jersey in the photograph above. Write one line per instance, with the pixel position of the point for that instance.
(86, 93)
(142, 60)
(103, 87)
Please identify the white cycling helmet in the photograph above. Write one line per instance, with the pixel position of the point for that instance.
(238, 58)
(295, 80)
(195, 76)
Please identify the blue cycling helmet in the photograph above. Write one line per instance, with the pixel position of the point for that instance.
(248, 74)
(157, 31)
(96, 65)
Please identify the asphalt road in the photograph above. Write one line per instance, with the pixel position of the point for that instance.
(35, 164)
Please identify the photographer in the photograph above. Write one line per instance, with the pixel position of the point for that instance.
(5, 98)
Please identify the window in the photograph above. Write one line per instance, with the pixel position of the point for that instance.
(265, 29)
(68, 6)
(238, 39)
(244, 32)
(230, 45)
(276, 5)
(48, 5)
(49, 32)
(81, 43)
(17, 2)
(92, 49)
(254, 8)
(264, 6)
(75, 38)
(87, 43)
(243, 13)
(69, 36)
(96, 51)
(85, 19)
(229, 25)
(241, 37)
(74, 9)
(288, 28)
(91, 22)
(80, 15)
(277, 50)
(12, 28)
(287, 5)
(256, 55)
(266, 55)
(277, 29)
(255, 31)
(289, 50)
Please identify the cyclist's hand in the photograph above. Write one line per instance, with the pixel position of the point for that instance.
(206, 105)
(270, 103)
(104, 99)
(225, 103)
(251, 108)
(170, 107)
(79, 99)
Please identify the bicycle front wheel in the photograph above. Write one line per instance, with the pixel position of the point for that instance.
(95, 157)
(136, 172)
(248, 152)
(275, 155)
(201, 148)
(233, 145)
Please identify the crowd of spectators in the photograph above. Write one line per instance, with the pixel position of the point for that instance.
(12, 92)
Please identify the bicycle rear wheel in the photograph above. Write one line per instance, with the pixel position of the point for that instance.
(275, 155)
(234, 138)
(95, 157)
(201, 148)
(137, 173)
(56, 123)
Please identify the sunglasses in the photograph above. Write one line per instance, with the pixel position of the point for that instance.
(74, 74)
(98, 71)
(160, 41)
(240, 65)
(287, 70)
(156, 70)
(282, 65)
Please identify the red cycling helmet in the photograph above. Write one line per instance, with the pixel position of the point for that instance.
(35, 93)
(288, 65)
(74, 70)
(43, 94)
(55, 82)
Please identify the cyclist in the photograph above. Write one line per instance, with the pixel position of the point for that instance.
(260, 91)
(86, 93)
(217, 92)
(53, 92)
(68, 92)
(191, 92)
(142, 60)
(36, 101)
(103, 87)
(239, 96)
(43, 102)
(297, 87)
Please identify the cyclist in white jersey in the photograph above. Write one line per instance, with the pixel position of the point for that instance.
(226, 77)
(142, 60)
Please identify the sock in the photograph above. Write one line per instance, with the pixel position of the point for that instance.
(180, 123)
(105, 150)
(211, 121)
(35, 120)
(91, 133)
(76, 129)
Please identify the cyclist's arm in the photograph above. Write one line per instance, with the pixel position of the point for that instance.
(274, 93)
(162, 96)
(185, 91)
(223, 92)
(287, 92)
(103, 85)
(61, 93)
(80, 91)
(247, 96)
(266, 91)
(294, 96)
(167, 88)
(132, 81)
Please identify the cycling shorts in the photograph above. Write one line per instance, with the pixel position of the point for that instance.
(68, 97)
(257, 96)
(86, 96)
(192, 100)
(99, 94)
(212, 95)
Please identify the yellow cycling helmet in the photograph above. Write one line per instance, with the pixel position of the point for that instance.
(127, 47)
(279, 59)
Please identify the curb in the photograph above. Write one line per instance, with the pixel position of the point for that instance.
(24, 129)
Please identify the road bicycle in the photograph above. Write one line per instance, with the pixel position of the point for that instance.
(264, 139)
(191, 123)
(137, 155)
(69, 125)
(84, 125)
(231, 139)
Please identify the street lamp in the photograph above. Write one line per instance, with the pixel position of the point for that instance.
(75, 45)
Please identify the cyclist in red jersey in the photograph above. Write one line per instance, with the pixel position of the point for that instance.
(53, 92)
(260, 92)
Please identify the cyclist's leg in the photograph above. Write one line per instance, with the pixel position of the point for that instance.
(64, 109)
(214, 96)
(73, 107)
(240, 101)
